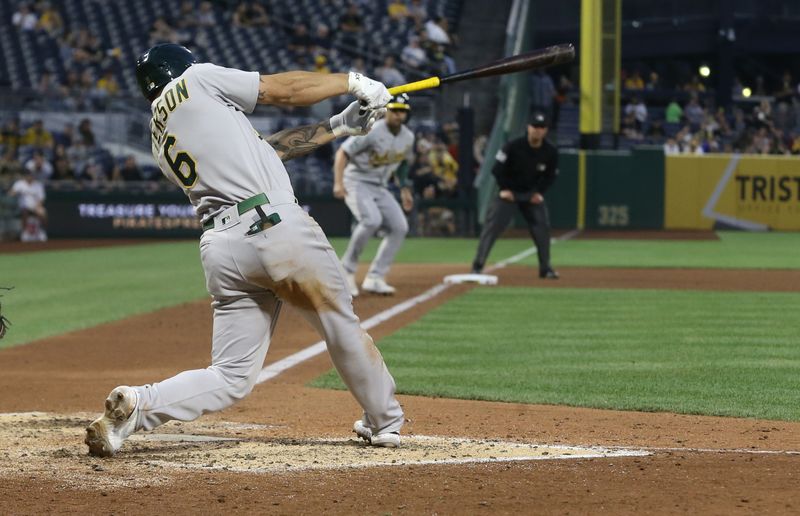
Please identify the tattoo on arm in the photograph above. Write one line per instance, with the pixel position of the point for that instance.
(262, 91)
(299, 141)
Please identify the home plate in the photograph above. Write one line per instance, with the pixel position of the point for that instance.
(480, 279)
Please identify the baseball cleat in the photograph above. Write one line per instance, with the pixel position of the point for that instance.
(352, 285)
(384, 440)
(107, 433)
(377, 285)
(548, 274)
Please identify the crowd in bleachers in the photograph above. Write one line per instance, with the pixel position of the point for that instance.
(80, 63)
(769, 123)
(78, 68)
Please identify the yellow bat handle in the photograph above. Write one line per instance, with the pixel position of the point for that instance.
(424, 84)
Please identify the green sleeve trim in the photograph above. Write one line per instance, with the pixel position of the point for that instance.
(402, 174)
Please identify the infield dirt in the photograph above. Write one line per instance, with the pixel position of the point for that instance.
(699, 465)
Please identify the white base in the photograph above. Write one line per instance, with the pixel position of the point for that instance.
(480, 279)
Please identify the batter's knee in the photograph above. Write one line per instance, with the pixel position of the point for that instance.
(238, 383)
(370, 224)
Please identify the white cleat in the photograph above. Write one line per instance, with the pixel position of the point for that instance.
(377, 285)
(107, 433)
(385, 440)
(352, 285)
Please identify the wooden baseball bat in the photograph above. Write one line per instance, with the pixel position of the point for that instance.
(535, 59)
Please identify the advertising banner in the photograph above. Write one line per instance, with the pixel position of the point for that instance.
(732, 191)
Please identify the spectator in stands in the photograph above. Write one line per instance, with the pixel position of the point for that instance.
(437, 31)
(107, 84)
(639, 111)
(85, 133)
(388, 73)
(127, 171)
(634, 81)
(673, 113)
(322, 40)
(300, 41)
(187, 19)
(397, 10)
(695, 85)
(413, 55)
(425, 182)
(250, 14)
(50, 21)
(24, 18)
(62, 169)
(543, 92)
(358, 66)
(205, 15)
(795, 145)
(351, 25)
(30, 194)
(50, 90)
(445, 168)
(653, 82)
(39, 166)
(11, 136)
(321, 64)
(418, 12)
(694, 112)
(38, 137)
(630, 128)
(671, 147)
(10, 167)
(655, 131)
(162, 32)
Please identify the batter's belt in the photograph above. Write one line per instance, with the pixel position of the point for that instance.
(274, 198)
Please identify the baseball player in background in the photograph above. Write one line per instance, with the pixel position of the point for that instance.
(525, 168)
(362, 169)
(258, 247)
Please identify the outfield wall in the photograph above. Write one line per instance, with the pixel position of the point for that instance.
(643, 189)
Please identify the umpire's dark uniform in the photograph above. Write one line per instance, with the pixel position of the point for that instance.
(526, 166)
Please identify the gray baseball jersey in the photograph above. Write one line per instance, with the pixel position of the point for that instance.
(373, 158)
(204, 143)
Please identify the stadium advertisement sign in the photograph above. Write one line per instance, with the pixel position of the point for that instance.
(732, 191)
(153, 215)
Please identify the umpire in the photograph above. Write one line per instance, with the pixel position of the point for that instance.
(525, 168)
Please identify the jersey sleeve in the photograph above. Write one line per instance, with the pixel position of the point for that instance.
(356, 145)
(234, 87)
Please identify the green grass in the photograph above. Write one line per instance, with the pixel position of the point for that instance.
(59, 291)
(719, 353)
(733, 250)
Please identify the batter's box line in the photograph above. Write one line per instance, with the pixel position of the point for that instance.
(656, 449)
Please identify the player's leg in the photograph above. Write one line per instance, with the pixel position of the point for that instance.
(243, 320)
(396, 225)
(361, 201)
(307, 274)
(538, 219)
(497, 219)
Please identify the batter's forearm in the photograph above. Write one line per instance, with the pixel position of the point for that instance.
(299, 141)
(300, 88)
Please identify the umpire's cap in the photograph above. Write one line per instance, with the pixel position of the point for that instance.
(159, 65)
(538, 119)
(399, 102)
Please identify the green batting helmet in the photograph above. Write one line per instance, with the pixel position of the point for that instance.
(159, 65)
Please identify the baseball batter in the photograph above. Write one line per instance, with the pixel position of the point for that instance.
(258, 247)
(362, 169)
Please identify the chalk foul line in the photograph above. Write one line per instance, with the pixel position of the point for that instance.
(271, 371)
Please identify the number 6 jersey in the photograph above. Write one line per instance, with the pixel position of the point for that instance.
(204, 143)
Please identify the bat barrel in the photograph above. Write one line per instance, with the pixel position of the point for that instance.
(542, 58)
